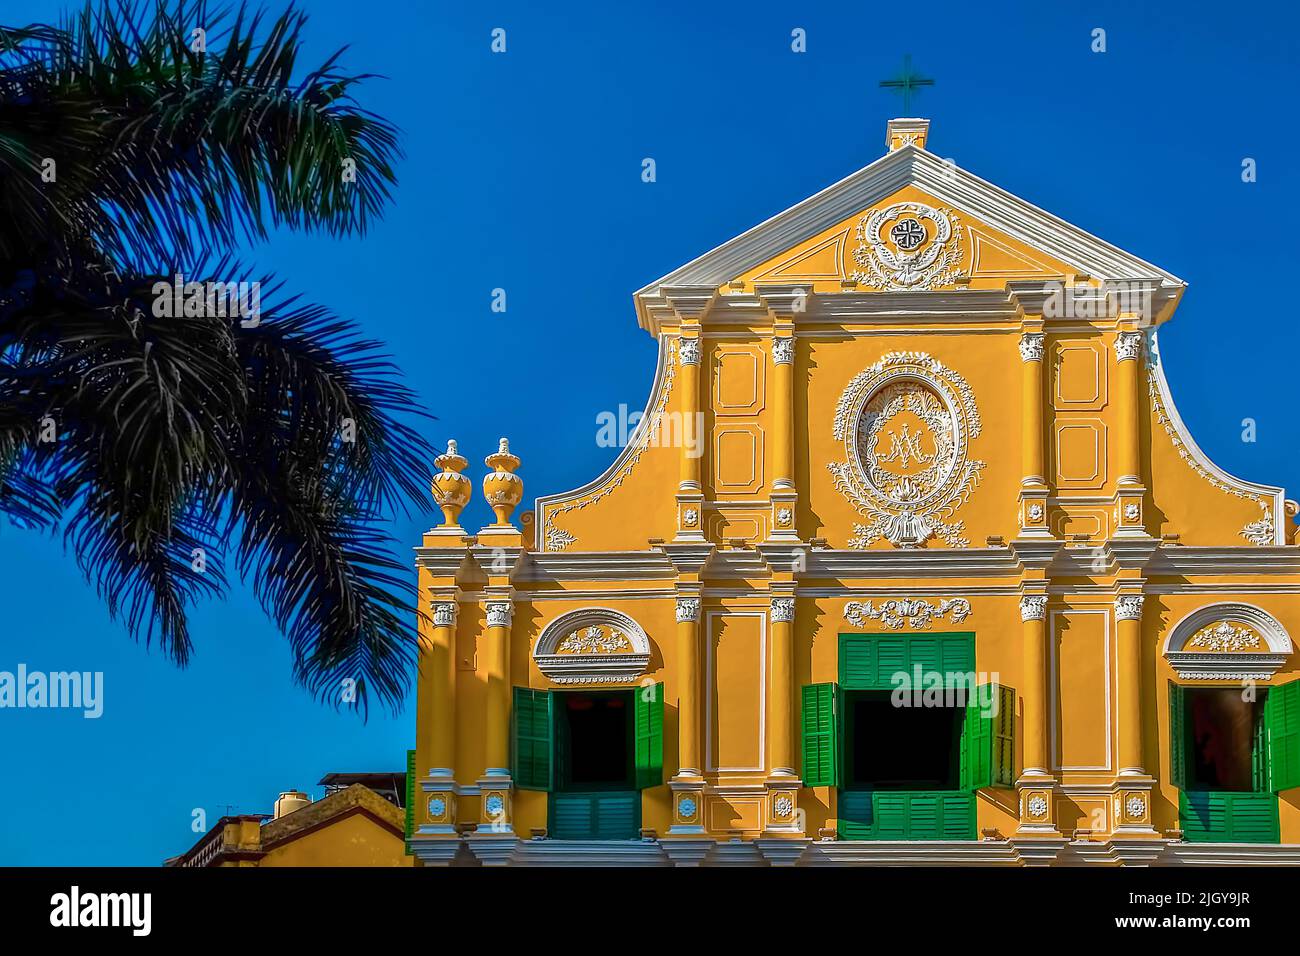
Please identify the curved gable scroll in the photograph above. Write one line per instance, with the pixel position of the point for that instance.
(594, 645)
(1228, 642)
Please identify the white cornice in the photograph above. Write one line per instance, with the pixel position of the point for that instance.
(909, 165)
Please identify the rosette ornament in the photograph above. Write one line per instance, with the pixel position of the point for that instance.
(451, 489)
(502, 488)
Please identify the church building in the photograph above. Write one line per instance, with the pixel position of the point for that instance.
(911, 560)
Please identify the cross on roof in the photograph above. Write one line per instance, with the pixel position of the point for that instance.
(907, 82)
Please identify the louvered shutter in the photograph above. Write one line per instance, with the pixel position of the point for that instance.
(532, 739)
(649, 730)
(820, 730)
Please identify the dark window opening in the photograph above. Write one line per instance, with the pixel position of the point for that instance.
(1225, 741)
(596, 737)
(901, 748)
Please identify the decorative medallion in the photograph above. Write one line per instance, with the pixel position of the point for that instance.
(437, 807)
(494, 805)
(686, 808)
(784, 516)
(592, 646)
(783, 806)
(1132, 512)
(1035, 512)
(908, 245)
(1037, 807)
(900, 612)
(906, 423)
(690, 517)
(1136, 807)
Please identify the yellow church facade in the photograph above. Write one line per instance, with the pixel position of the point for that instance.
(910, 560)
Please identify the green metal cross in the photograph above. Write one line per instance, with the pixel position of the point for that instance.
(907, 82)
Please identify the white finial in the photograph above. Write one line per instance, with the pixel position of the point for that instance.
(504, 448)
(451, 447)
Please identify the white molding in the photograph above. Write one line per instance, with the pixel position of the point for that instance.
(710, 695)
(1156, 369)
(1054, 679)
(1228, 665)
(944, 182)
(667, 348)
(591, 668)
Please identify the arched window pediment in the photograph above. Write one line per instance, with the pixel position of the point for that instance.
(1228, 641)
(593, 645)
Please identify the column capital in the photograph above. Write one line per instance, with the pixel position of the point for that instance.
(688, 351)
(783, 349)
(688, 610)
(1128, 607)
(444, 613)
(1031, 347)
(782, 610)
(499, 613)
(1033, 607)
(1128, 346)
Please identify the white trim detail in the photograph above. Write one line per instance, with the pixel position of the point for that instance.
(1228, 665)
(553, 538)
(943, 181)
(592, 667)
(1270, 527)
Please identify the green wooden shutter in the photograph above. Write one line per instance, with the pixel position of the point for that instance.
(1282, 732)
(410, 797)
(1217, 816)
(649, 736)
(821, 738)
(1177, 737)
(606, 815)
(532, 740)
(988, 740)
(870, 661)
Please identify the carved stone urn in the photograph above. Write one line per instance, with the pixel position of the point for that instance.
(502, 488)
(451, 489)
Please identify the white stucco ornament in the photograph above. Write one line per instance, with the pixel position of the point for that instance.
(906, 423)
(1037, 807)
(908, 245)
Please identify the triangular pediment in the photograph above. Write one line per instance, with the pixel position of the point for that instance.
(849, 232)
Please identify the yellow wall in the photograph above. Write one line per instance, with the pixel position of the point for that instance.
(1087, 414)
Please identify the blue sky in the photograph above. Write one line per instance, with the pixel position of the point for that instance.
(521, 164)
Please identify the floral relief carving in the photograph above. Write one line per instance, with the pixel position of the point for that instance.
(595, 639)
(1135, 807)
(906, 612)
(1037, 807)
(1224, 636)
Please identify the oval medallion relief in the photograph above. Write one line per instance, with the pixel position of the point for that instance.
(906, 423)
